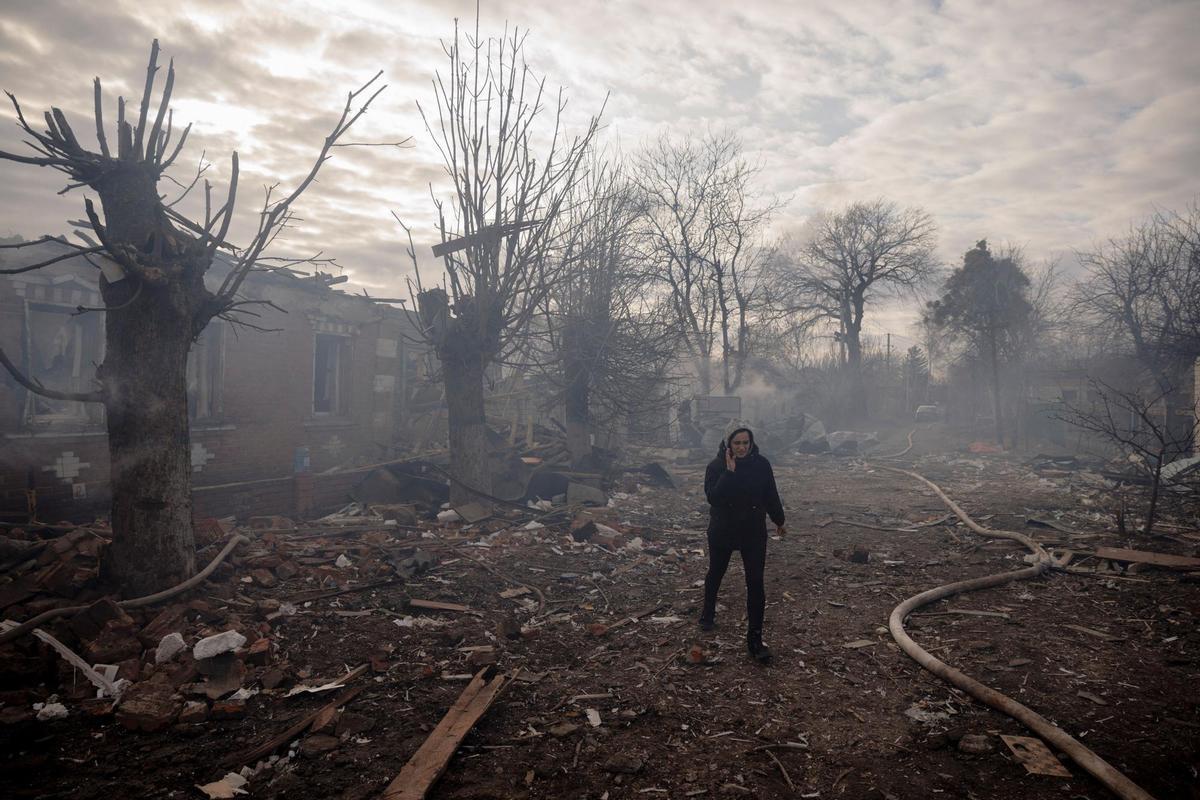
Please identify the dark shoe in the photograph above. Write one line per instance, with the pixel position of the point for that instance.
(707, 624)
(758, 651)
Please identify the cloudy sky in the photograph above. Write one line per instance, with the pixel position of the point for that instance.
(1047, 124)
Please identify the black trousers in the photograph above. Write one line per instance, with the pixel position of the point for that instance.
(754, 563)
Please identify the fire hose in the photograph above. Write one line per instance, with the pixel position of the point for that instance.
(1081, 755)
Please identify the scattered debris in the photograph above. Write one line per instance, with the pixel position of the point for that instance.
(50, 711)
(228, 787)
(1036, 757)
(1108, 637)
(975, 744)
(501, 590)
(149, 706)
(582, 494)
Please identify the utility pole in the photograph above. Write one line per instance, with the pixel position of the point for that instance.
(889, 350)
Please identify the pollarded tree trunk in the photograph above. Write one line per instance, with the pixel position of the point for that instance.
(579, 439)
(148, 330)
(456, 341)
(576, 374)
(145, 375)
(463, 378)
(153, 312)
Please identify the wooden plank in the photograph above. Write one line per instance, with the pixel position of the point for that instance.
(432, 758)
(1146, 557)
(437, 605)
(1108, 637)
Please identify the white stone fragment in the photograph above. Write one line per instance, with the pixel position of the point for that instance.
(211, 646)
(171, 645)
(49, 711)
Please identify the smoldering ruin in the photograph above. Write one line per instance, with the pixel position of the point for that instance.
(264, 532)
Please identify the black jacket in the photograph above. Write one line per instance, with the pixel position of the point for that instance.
(740, 501)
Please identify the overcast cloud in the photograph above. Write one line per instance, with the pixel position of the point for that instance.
(1045, 124)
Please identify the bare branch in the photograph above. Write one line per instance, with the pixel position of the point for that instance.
(37, 388)
(55, 260)
(140, 131)
(30, 243)
(227, 217)
(403, 143)
(100, 137)
(275, 216)
(152, 147)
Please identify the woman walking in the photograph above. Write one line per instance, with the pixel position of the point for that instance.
(741, 492)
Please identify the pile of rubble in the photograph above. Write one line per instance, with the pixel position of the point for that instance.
(202, 656)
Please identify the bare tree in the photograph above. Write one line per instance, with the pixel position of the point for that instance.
(1184, 336)
(498, 232)
(156, 304)
(703, 228)
(851, 259)
(1140, 294)
(610, 346)
(1136, 421)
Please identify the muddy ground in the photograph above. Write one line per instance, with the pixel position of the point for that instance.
(684, 714)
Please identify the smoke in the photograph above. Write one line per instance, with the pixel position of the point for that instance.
(764, 403)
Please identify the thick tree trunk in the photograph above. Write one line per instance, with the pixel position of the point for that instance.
(468, 429)
(145, 377)
(857, 402)
(148, 332)
(579, 438)
(457, 340)
(577, 358)
(704, 366)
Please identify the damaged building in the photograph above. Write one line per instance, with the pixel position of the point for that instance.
(322, 387)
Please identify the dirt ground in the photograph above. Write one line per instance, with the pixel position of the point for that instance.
(683, 714)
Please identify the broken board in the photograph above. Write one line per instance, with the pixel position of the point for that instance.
(437, 605)
(1146, 557)
(1036, 757)
(432, 758)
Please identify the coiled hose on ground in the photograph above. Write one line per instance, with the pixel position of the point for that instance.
(1081, 755)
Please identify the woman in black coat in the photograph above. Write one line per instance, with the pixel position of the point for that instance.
(741, 492)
